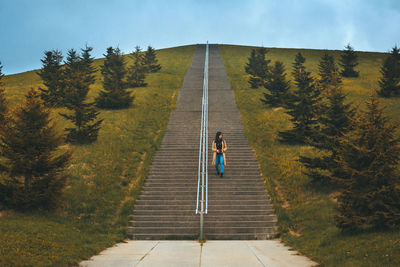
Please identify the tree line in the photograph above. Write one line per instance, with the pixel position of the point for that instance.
(359, 150)
(31, 160)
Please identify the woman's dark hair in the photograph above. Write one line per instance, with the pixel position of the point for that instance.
(216, 136)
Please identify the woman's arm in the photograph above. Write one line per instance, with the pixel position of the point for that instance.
(225, 148)
(213, 147)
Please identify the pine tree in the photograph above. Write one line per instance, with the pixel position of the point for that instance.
(369, 156)
(251, 65)
(277, 86)
(303, 106)
(78, 78)
(51, 75)
(137, 72)
(3, 101)
(390, 70)
(87, 65)
(348, 62)
(33, 162)
(150, 60)
(113, 70)
(329, 74)
(262, 70)
(335, 121)
(257, 67)
(72, 67)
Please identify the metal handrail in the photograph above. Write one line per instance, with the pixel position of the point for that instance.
(206, 127)
(203, 149)
(201, 142)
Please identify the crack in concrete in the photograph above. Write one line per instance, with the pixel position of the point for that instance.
(148, 252)
(252, 251)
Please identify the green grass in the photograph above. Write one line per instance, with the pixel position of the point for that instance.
(305, 213)
(105, 177)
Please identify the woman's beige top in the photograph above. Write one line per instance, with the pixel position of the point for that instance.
(214, 149)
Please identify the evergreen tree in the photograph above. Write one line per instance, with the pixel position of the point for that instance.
(277, 86)
(113, 70)
(390, 70)
(257, 67)
(369, 157)
(51, 75)
(151, 61)
(78, 78)
(87, 65)
(262, 69)
(303, 106)
(33, 164)
(137, 72)
(72, 67)
(348, 62)
(335, 120)
(329, 74)
(251, 65)
(3, 101)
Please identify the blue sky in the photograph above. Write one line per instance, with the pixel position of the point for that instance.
(29, 27)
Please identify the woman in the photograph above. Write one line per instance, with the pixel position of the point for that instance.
(219, 147)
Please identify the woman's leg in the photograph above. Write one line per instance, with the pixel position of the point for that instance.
(216, 163)
(221, 162)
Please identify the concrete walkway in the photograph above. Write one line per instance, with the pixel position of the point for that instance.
(191, 253)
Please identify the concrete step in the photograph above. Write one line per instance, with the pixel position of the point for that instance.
(211, 193)
(184, 211)
(209, 231)
(184, 168)
(213, 202)
(195, 162)
(171, 230)
(194, 171)
(208, 217)
(239, 149)
(238, 230)
(211, 198)
(195, 158)
(207, 223)
(269, 233)
(157, 212)
(233, 185)
(179, 135)
(212, 207)
(160, 236)
(229, 176)
(232, 190)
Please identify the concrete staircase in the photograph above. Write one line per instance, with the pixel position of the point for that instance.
(238, 205)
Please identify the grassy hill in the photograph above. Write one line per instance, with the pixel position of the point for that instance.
(305, 214)
(106, 176)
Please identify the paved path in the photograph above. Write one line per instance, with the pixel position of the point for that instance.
(190, 253)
